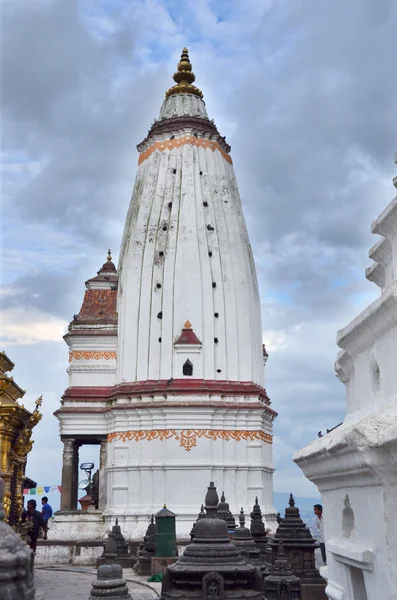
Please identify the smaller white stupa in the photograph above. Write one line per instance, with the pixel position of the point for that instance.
(355, 465)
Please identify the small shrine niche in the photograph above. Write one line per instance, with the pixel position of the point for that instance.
(187, 369)
(187, 354)
(213, 586)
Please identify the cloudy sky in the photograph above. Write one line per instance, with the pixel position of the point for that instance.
(306, 95)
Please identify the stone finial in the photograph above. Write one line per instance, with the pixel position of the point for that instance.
(110, 584)
(291, 500)
(211, 501)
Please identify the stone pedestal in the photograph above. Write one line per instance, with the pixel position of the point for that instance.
(77, 525)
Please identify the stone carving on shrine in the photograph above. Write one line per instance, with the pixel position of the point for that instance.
(282, 584)
(299, 546)
(211, 567)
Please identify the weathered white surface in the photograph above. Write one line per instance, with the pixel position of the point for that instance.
(186, 272)
(180, 105)
(78, 526)
(355, 466)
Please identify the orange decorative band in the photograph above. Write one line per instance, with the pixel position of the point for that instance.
(177, 143)
(187, 438)
(77, 355)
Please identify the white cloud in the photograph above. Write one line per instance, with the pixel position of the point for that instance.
(26, 325)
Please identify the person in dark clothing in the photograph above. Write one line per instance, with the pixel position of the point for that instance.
(36, 518)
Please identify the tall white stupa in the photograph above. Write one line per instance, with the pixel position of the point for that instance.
(172, 385)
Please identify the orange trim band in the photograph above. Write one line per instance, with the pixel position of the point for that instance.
(187, 438)
(177, 143)
(78, 355)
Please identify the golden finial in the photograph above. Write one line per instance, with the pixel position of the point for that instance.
(184, 78)
(39, 402)
(187, 325)
(109, 255)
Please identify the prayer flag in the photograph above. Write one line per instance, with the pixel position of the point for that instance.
(33, 491)
(60, 488)
(40, 490)
(26, 491)
(46, 489)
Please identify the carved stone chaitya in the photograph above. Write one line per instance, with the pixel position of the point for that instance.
(249, 550)
(259, 533)
(282, 584)
(147, 549)
(16, 561)
(109, 584)
(299, 547)
(225, 514)
(212, 568)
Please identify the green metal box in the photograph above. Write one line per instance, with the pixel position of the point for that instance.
(165, 533)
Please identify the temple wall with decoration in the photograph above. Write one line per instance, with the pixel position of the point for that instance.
(354, 466)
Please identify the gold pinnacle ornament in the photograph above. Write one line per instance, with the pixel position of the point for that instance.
(184, 78)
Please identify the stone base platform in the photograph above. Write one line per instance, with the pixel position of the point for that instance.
(58, 552)
(78, 525)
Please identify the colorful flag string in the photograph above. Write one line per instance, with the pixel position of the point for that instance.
(41, 489)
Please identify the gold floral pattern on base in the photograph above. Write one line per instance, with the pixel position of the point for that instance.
(177, 143)
(78, 355)
(187, 438)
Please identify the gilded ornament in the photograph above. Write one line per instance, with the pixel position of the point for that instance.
(184, 78)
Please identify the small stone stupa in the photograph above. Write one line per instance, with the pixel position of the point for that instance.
(249, 550)
(282, 583)
(110, 584)
(16, 561)
(299, 546)
(201, 515)
(212, 568)
(147, 549)
(259, 533)
(117, 546)
(225, 514)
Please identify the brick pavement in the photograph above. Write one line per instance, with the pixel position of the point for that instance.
(67, 583)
